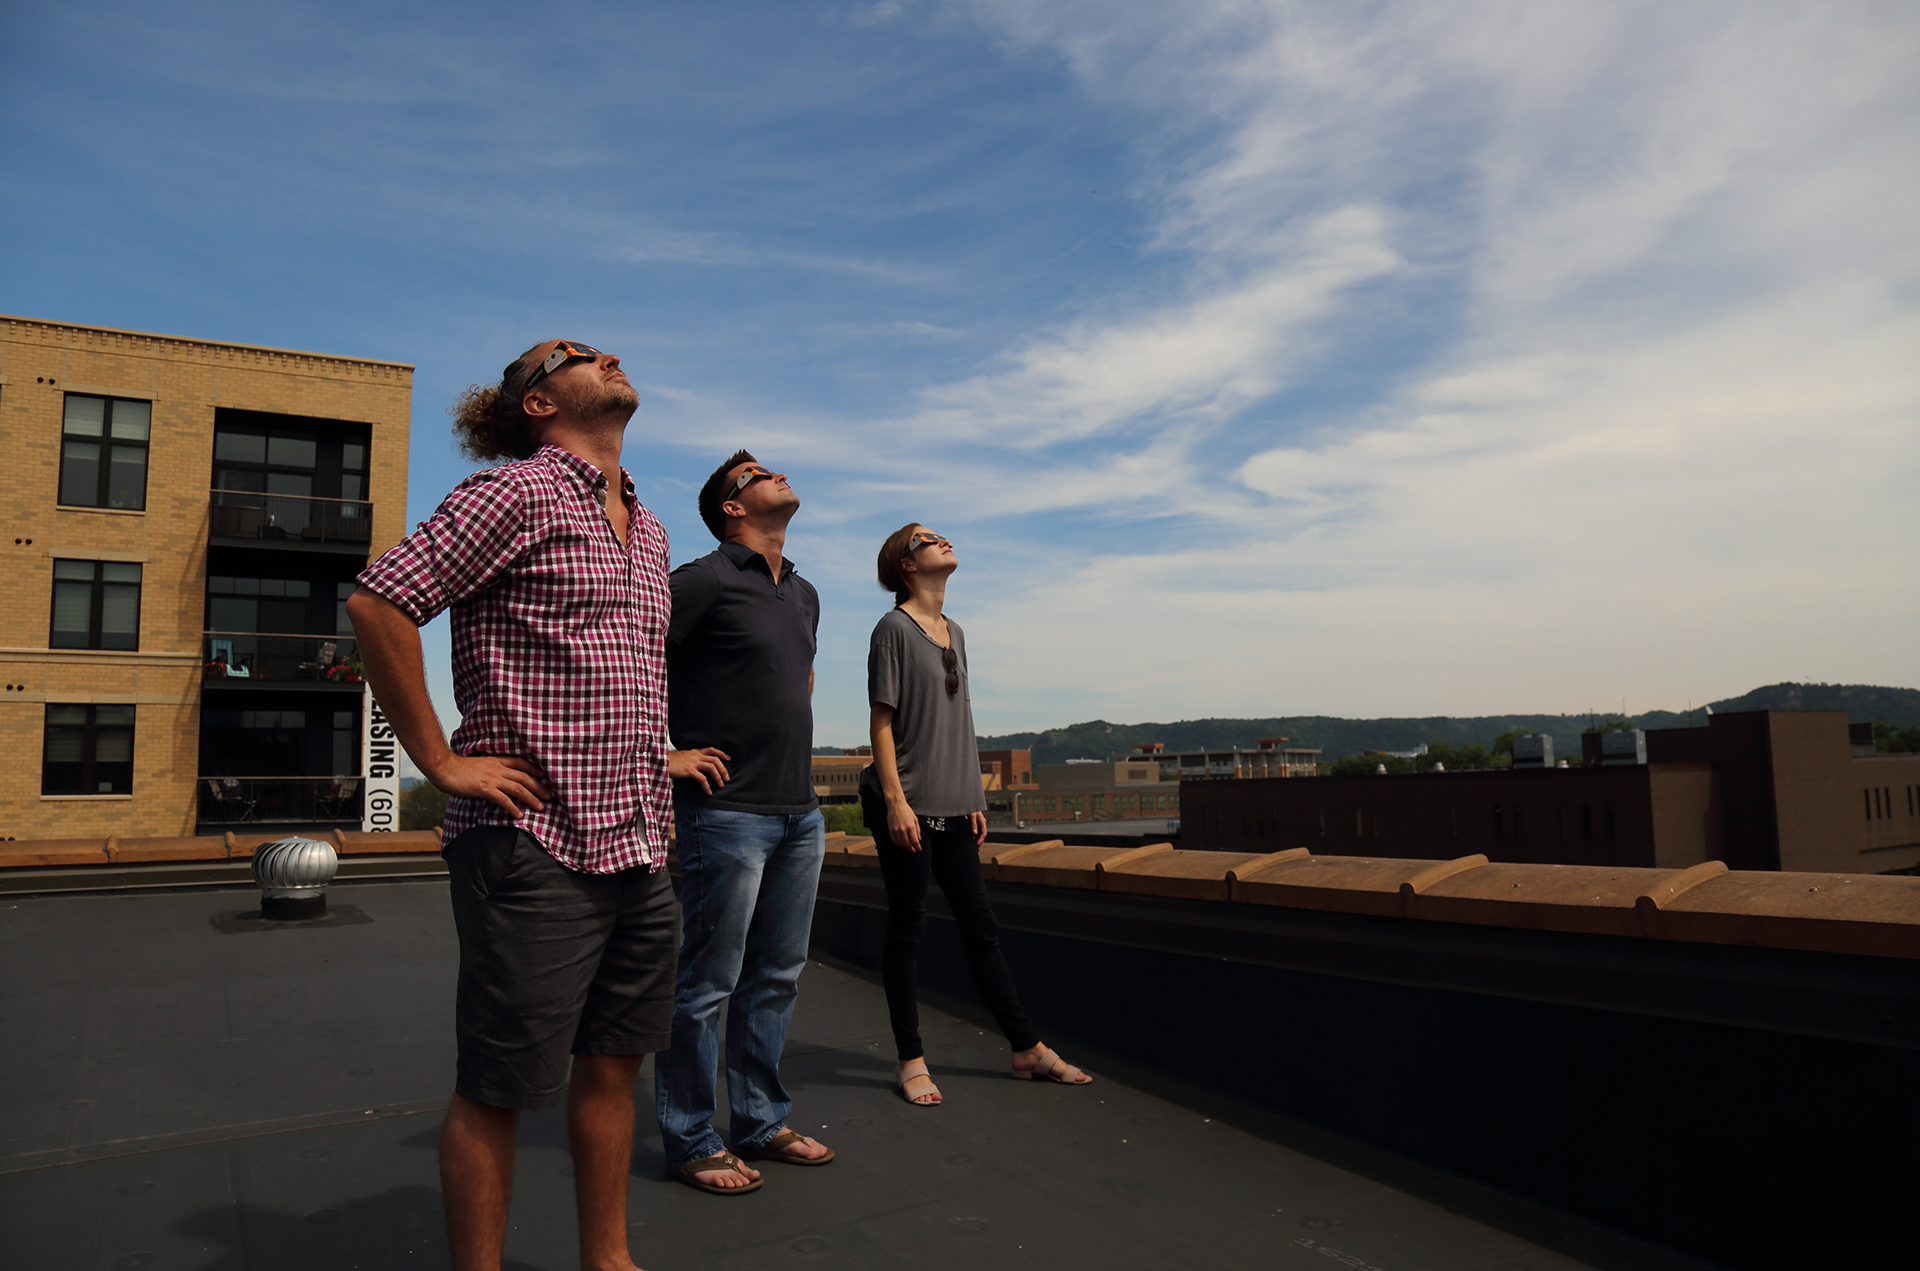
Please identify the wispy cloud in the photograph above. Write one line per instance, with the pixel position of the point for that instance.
(1680, 350)
(1262, 354)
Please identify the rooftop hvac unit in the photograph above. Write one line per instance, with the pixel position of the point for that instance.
(1533, 751)
(1623, 745)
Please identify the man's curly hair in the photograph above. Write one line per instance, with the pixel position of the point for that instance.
(490, 422)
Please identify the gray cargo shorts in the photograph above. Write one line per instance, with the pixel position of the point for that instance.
(553, 963)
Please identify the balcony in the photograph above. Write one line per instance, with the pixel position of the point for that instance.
(248, 659)
(233, 801)
(245, 518)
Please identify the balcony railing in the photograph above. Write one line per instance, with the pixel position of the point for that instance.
(245, 800)
(252, 656)
(289, 518)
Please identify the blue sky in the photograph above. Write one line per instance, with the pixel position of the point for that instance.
(1261, 358)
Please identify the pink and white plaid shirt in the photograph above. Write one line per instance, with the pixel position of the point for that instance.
(559, 650)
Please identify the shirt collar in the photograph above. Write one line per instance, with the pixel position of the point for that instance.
(595, 479)
(743, 557)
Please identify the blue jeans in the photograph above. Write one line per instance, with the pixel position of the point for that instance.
(747, 884)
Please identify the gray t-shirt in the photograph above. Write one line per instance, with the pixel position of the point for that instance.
(933, 741)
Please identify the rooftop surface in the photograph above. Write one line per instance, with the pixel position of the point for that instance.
(181, 1088)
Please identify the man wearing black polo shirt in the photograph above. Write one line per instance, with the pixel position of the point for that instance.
(750, 838)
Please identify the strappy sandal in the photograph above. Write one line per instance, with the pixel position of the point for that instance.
(724, 1160)
(1051, 1067)
(904, 1079)
(774, 1150)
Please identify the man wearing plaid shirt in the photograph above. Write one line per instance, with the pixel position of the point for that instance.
(558, 778)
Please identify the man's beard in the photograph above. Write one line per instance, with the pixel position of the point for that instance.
(599, 402)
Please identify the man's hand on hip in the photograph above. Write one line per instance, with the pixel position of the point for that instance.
(514, 784)
(707, 765)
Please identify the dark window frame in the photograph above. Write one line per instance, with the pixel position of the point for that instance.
(330, 467)
(104, 444)
(96, 603)
(86, 779)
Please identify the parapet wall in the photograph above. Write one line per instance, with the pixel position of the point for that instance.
(1872, 914)
(120, 849)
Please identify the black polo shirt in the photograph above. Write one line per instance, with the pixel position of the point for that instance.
(739, 651)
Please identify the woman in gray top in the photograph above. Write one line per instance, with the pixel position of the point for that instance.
(922, 801)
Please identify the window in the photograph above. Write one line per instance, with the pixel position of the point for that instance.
(353, 469)
(346, 744)
(258, 604)
(89, 750)
(294, 465)
(96, 605)
(262, 743)
(103, 453)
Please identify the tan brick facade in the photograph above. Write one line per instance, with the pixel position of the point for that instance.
(186, 380)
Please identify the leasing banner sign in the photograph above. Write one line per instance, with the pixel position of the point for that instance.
(380, 760)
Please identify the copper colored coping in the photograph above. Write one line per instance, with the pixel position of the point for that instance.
(992, 855)
(1876, 915)
(1333, 884)
(1052, 867)
(1595, 899)
(848, 851)
(41, 853)
(119, 849)
(1186, 875)
(1838, 913)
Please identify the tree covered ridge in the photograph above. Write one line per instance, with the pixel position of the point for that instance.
(1098, 739)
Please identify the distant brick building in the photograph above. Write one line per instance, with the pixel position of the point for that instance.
(836, 778)
(184, 519)
(1086, 792)
(1757, 789)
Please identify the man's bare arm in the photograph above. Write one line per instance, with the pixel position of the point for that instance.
(397, 670)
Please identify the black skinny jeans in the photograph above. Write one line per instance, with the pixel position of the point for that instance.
(949, 856)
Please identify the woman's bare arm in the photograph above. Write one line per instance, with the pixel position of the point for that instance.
(902, 825)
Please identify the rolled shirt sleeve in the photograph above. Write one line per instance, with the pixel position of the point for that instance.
(472, 540)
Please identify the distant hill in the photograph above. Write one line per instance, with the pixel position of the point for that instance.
(1098, 739)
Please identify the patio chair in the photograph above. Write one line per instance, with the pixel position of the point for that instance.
(336, 798)
(317, 669)
(230, 800)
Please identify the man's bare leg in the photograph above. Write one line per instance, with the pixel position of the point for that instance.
(600, 1127)
(476, 1181)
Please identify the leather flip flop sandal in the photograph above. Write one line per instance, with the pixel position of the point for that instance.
(1053, 1068)
(775, 1150)
(724, 1160)
(906, 1078)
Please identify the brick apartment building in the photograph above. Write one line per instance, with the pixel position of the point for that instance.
(184, 519)
(1758, 789)
(1131, 789)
